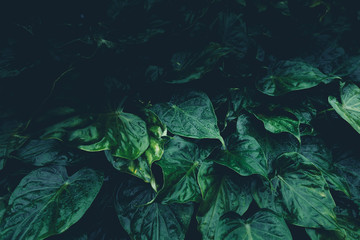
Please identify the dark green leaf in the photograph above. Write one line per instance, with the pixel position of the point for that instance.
(315, 150)
(144, 220)
(189, 115)
(280, 123)
(9, 140)
(299, 192)
(291, 75)
(47, 152)
(263, 224)
(125, 134)
(271, 144)
(47, 202)
(222, 192)
(349, 165)
(180, 164)
(139, 167)
(244, 155)
(189, 66)
(321, 234)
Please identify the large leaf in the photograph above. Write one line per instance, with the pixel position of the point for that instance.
(141, 167)
(349, 108)
(222, 192)
(244, 155)
(47, 152)
(189, 115)
(124, 134)
(291, 75)
(299, 192)
(180, 164)
(144, 220)
(263, 224)
(47, 202)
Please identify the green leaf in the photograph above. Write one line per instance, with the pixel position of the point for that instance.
(144, 220)
(299, 192)
(180, 164)
(222, 192)
(47, 202)
(156, 131)
(315, 150)
(189, 66)
(291, 75)
(9, 141)
(47, 152)
(3, 205)
(349, 108)
(348, 217)
(348, 164)
(139, 167)
(243, 155)
(280, 123)
(125, 134)
(189, 115)
(264, 224)
(271, 144)
(321, 234)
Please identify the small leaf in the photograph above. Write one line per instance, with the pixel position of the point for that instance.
(291, 75)
(222, 192)
(280, 123)
(190, 115)
(349, 108)
(189, 66)
(139, 167)
(264, 224)
(47, 202)
(144, 220)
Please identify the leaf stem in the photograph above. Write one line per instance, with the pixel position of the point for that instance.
(326, 110)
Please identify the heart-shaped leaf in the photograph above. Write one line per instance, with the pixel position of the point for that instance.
(264, 224)
(47, 202)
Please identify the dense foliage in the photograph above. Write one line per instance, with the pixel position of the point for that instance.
(166, 119)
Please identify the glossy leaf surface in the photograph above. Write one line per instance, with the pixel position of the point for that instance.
(222, 192)
(349, 108)
(263, 224)
(144, 220)
(243, 155)
(180, 164)
(290, 75)
(190, 115)
(47, 201)
(299, 192)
